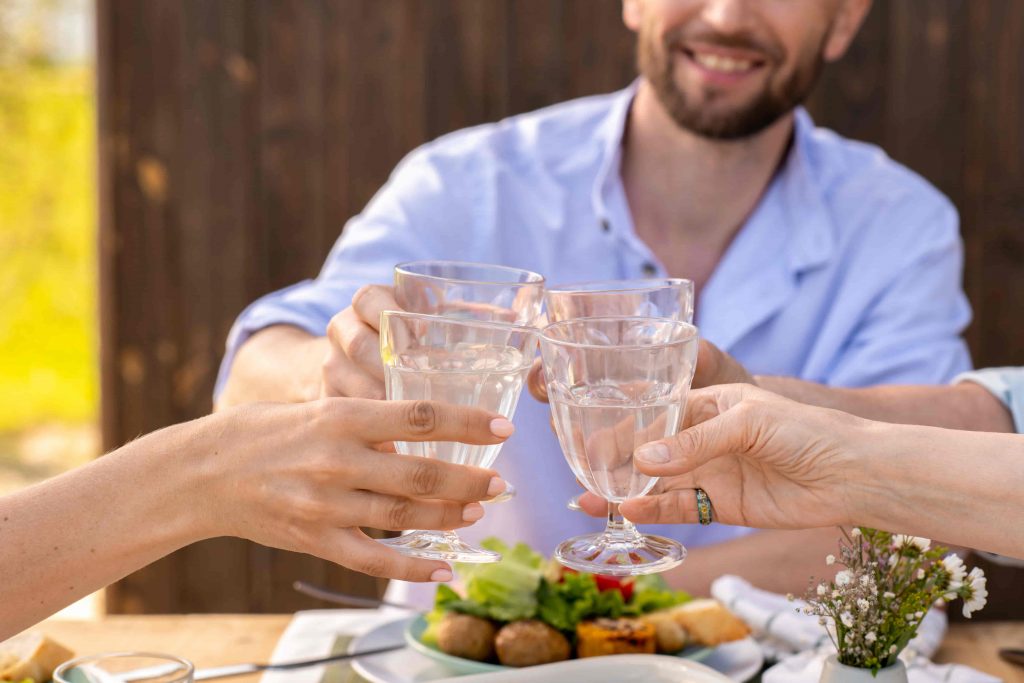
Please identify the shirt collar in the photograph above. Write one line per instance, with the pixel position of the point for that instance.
(796, 184)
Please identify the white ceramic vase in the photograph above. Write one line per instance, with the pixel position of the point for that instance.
(834, 672)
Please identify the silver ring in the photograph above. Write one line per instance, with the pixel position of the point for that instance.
(703, 507)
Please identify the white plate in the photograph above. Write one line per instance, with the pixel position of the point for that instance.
(617, 668)
(739, 661)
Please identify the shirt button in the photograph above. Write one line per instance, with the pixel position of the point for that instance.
(649, 269)
(605, 225)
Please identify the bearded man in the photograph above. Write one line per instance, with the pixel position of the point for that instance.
(813, 256)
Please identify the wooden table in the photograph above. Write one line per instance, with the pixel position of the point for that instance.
(212, 640)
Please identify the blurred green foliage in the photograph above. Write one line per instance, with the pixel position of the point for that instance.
(48, 280)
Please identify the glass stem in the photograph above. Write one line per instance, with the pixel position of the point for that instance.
(619, 528)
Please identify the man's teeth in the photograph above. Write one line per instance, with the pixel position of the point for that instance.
(724, 64)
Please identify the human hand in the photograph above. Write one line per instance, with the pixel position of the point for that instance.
(352, 366)
(305, 477)
(763, 460)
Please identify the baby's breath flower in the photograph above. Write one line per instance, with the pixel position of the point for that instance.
(844, 578)
(920, 574)
(847, 619)
(830, 560)
(822, 590)
(863, 605)
(893, 559)
(892, 649)
(918, 615)
(888, 595)
(855, 532)
(870, 637)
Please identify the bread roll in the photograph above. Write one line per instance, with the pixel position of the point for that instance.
(31, 655)
(708, 622)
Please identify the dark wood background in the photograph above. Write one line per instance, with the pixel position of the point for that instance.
(237, 136)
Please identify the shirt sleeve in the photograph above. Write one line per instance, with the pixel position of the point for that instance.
(420, 213)
(911, 334)
(1006, 384)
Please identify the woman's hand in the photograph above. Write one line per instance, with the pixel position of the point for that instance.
(305, 477)
(763, 460)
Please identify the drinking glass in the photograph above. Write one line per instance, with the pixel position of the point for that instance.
(461, 362)
(670, 298)
(471, 291)
(141, 666)
(614, 384)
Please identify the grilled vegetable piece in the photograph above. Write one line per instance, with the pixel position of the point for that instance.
(614, 637)
(529, 642)
(463, 635)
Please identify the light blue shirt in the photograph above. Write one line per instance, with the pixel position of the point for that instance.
(1006, 384)
(848, 271)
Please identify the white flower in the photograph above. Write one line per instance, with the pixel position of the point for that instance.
(830, 560)
(822, 590)
(863, 605)
(893, 559)
(977, 592)
(954, 566)
(847, 619)
(870, 637)
(835, 594)
(920, 574)
(954, 588)
(918, 615)
(855, 532)
(844, 578)
(892, 649)
(888, 595)
(922, 544)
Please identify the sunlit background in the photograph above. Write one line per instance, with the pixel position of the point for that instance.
(49, 391)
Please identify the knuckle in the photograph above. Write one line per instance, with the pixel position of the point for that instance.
(399, 514)
(422, 417)
(425, 479)
(361, 345)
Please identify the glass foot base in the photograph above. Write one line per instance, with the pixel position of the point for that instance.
(440, 545)
(614, 555)
(508, 494)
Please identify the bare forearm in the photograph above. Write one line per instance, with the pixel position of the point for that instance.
(780, 561)
(964, 406)
(79, 532)
(963, 487)
(280, 363)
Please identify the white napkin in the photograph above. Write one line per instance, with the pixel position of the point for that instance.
(312, 634)
(800, 644)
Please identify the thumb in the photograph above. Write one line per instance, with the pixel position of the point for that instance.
(691, 448)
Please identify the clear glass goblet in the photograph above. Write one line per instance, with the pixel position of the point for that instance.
(614, 384)
(670, 298)
(471, 291)
(145, 667)
(461, 362)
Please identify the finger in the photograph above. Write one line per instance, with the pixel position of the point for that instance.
(358, 341)
(372, 300)
(595, 506)
(380, 421)
(536, 383)
(691, 448)
(395, 513)
(412, 476)
(715, 366)
(341, 377)
(353, 549)
(678, 506)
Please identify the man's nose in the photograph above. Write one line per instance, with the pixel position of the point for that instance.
(727, 16)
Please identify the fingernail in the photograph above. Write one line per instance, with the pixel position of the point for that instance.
(472, 512)
(441, 575)
(501, 427)
(496, 486)
(655, 453)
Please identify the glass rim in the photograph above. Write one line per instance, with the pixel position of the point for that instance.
(460, 322)
(534, 278)
(640, 285)
(693, 332)
(188, 667)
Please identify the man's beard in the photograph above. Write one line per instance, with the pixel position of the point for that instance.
(768, 107)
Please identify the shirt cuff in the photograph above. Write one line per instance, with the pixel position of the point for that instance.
(1006, 384)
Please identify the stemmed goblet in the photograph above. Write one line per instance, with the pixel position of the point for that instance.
(670, 298)
(614, 384)
(461, 362)
(471, 291)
